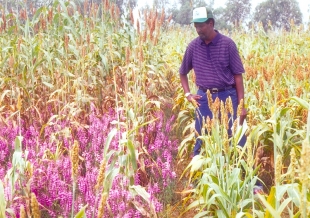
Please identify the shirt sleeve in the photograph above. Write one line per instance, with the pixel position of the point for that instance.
(236, 65)
(187, 62)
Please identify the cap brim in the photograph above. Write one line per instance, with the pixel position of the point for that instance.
(199, 20)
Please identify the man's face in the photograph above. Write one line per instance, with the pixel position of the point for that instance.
(204, 30)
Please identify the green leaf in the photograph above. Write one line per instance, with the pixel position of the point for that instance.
(35, 17)
(132, 150)
(81, 213)
(272, 197)
(196, 163)
(111, 135)
(18, 143)
(240, 215)
(131, 114)
(11, 212)
(4, 94)
(37, 64)
(294, 194)
(297, 215)
(111, 174)
(141, 208)
(196, 203)
(48, 84)
(301, 102)
(202, 214)
(58, 62)
(284, 204)
(270, 204)
(2, 200)
(152, 67)
(137, 189)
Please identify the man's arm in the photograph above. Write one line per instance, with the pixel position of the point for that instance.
(184, 82)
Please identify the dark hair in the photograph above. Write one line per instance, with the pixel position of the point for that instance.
(210, 20)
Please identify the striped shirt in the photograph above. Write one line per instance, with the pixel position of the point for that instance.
(214, 64)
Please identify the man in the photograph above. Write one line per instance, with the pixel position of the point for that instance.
(218, 68)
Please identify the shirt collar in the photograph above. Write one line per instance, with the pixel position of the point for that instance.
(214, 40)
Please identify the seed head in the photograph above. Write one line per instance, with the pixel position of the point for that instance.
(106, 5)
(138, 27)
(305, 162)
(141, 54)
(222, 113)
(11, 62)
(250, 118)
(299, 91)
(261, 84)
(194, 102)
(131, 16)
(153, 24)
(50, 15)
(102, 204)
(278, 169)
(144, 35)
(225, 142)
(34, 206)
(128, 55)
(210, 100)
(304, 115)
(23, 14)
(101, 175)
(235, 126)
(226, 121)
(43, 22)
(229, 106)
(75, 159)
(299, 74)
(209, 125)
(22, 212)
(256, 93)
(216, 107)
(286, 93)
(112, 11)
(279, 96)
(19, 103)
(250, 158)
(293, 165)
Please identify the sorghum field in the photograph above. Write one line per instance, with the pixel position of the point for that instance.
(94, 122)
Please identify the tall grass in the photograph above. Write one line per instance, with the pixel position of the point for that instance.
(86, 78)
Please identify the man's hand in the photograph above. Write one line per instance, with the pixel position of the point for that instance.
(193, 99)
